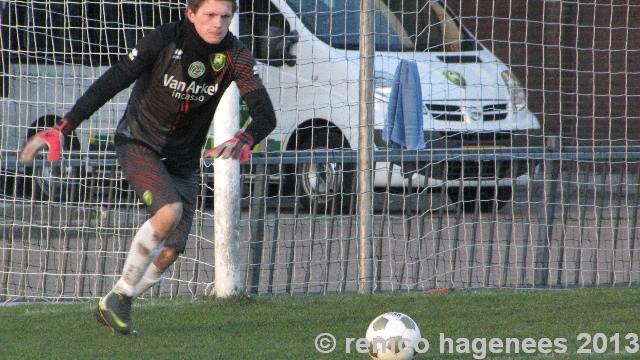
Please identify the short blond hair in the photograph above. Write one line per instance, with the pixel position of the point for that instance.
(195, 5)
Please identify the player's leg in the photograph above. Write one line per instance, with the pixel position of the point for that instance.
(187, 185)
(153, 275)
(150, 180)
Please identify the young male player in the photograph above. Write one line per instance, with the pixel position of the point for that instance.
(180, 70)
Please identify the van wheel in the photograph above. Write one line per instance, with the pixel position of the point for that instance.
(324, 186)
(488, 197)
(53, 181)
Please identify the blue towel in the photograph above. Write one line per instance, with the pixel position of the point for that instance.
(403, 126)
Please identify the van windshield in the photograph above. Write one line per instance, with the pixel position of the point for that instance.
(400, 25)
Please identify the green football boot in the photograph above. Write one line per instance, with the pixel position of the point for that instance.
(114, 311)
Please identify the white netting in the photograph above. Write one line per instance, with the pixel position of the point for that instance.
(535, 99)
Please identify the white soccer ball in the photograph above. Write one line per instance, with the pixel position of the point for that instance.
(393, 335)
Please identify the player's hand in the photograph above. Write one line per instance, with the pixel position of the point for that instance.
(51, 138)
(237, 148)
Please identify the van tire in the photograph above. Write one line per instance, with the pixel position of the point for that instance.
(488, 197)
(52, 181)
(324, 187)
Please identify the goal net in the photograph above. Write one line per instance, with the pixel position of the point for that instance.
(512, 160)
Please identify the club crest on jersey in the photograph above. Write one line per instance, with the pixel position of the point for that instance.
(196, 69)
(218, 61)
(133, 54)
(177, 54)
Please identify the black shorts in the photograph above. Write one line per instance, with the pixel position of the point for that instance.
(157, 183)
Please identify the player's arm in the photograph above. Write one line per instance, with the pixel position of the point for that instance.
(117, 78)
(263, 117)
(263, 122)
(254, 94)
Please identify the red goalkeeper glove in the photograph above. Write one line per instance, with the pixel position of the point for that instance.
(51, 138)
(238, 148)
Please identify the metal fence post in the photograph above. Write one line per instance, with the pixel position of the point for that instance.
(365, 149)
(256, 220)
(543, 245)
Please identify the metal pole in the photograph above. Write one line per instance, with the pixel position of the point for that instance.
(226, 192)
(258, 216)
(365, 148)
(543, 246)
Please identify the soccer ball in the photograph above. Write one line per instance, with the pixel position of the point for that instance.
(393, 335)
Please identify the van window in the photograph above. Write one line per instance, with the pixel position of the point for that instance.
(400, 25)
(79, 32)
(256, 17)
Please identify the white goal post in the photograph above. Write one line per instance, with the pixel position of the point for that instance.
(227, 195)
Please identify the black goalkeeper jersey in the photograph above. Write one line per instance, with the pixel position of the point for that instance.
(179, 80)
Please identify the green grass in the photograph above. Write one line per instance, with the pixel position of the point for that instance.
(284, 327)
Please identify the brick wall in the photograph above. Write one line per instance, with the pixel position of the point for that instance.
(580, 61)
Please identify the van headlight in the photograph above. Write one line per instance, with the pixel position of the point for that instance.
(516, 91)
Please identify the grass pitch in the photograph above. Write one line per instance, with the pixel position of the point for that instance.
(605, 320)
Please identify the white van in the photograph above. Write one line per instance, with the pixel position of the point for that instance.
(470, 97)
(308, 54)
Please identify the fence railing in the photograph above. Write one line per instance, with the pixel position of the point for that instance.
(574, 223)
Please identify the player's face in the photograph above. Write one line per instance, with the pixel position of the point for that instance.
(212, 20)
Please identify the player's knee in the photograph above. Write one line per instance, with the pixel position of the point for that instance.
(172, 213)
(167, 218)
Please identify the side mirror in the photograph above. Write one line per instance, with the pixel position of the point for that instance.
(275, 46)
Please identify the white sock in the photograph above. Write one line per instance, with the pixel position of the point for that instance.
(151, 277)
(145, 247)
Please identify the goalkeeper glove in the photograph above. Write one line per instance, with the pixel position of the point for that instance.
(51, 138)
(237, 148)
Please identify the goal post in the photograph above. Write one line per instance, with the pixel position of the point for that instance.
(226, 183)
(226, 209)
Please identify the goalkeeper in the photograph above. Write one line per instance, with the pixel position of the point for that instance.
(180, 70)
